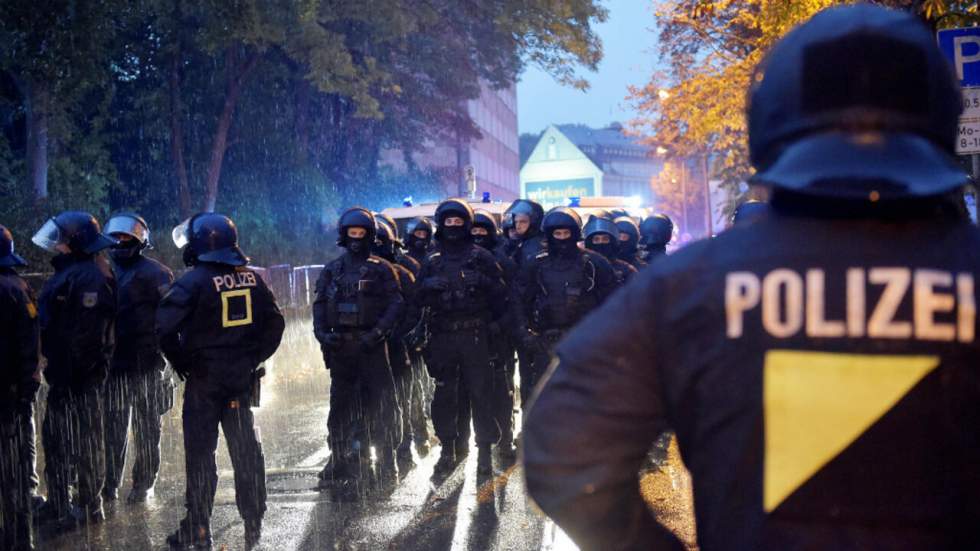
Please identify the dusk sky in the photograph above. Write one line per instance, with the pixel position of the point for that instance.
(629, 44)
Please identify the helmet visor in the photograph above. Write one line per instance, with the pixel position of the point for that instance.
(129, 226)
(49, 236)
(180, 233)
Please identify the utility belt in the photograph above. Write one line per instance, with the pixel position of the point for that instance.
(350, 334)
(455, 326)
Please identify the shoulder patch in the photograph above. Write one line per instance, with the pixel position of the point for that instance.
(89, 300)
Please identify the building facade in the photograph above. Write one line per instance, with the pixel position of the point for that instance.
(578, 161)
(494, 158)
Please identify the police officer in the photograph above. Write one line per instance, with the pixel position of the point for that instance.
(819, 365)
(20, 376)
(418, 237)
(749, 211)
(462, 284)
(136, 388)
(510, 239)
(77, 312)
(395, 244)
(398, 355)
(629, 241)
(358, 305)
(561, 286)
(216, 325)
(526, 216)
(602, 236)
(656, 231)
(502, 348)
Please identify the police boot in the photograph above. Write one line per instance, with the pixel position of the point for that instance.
(110, 493)
(484, 461)
(253, 532)
(139, 495)
(188, 537)
(462, 448)
(447, 460)
(506, 453)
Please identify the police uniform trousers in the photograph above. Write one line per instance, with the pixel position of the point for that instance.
(401, 372)
(459, 361)
(74, 441)
(16, 478)
(542, 356)
(503, 386)
(208, 403)
(422, 389)
(135, 393)
(363, 404)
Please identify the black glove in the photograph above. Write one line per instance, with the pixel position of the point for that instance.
(371, 339)
(332, 341)
(530, 341)
(435, 283)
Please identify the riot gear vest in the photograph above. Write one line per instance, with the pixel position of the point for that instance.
(355, 294)
(464, 298)
(566, 291)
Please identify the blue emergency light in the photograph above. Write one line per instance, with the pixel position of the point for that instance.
(486, 196)
(407, 201)
(574, 201)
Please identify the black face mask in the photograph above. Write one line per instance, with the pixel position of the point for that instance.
(358, 247)
(483, 240)
(562, 247)
(627, 248)
(607, 250)
(189, 256)
(125, 250)
(453, 233)
(418, 243)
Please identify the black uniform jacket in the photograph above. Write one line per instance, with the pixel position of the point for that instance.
(19, 340)
(142, 283)
(77, 309)
(221, 319)
(381, 288)
(822, 377)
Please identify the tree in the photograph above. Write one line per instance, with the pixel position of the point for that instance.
(696, 105)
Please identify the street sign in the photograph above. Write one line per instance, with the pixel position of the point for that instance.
(962, 48)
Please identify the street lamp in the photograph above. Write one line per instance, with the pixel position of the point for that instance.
(663, 94)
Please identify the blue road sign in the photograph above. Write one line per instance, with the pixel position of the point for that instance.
(962, 47)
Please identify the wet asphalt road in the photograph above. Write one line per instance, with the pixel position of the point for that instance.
(414, 512)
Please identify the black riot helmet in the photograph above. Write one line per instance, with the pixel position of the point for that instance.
(529, 208)
(629, 236)
(656, 230)
(390, 222)
(879, 124)
(749, 211)
(8, 258)
(132, 225)
(357, 217)
(209, 237)
(79, 231)
(453, 208)
(562, 217)
(384, 245)
(602, 226)
(485, 220)
(414, 242)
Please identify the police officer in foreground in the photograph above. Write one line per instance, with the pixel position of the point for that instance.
(602, 236)
(418, 237)
(555, 291)
(136, 388)
(819, 366)
(749, 211)
(77, 313)
(20, 378)
(358, 305)
(461, 283)
(629, 241)
(656, 231)
(216, 325)
(502, 349)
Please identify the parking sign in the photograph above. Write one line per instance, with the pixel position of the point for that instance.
(962, 48)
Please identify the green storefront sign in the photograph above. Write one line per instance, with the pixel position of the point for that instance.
(558, 191)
